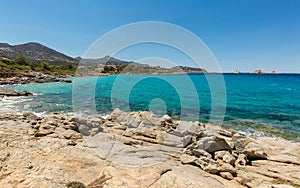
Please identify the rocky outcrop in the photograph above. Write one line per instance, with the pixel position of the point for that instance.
(11, 93)
(138, 149)
(251, 162)
(32, 77)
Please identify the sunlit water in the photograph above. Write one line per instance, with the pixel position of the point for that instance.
(256, 104)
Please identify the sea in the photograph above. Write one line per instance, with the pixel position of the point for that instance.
(254, 104)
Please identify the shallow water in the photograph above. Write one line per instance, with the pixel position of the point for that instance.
(256, 104)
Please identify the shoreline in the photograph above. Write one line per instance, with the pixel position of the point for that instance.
(152, 148)
(272, 133)
(33, 77)
(37, 80)
(60, 150)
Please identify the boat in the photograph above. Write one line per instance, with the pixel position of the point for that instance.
(235, 72)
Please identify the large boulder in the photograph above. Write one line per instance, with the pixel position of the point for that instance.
(214, 143)
(253, 151)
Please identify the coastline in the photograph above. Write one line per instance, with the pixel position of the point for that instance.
(33, 77)
(123, 148)
(56, 149)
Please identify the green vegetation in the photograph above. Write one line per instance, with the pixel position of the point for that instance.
(21, 63)
(117, 69)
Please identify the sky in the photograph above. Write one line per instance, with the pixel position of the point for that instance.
(243, 35)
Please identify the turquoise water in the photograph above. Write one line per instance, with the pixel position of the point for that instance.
(255, 104)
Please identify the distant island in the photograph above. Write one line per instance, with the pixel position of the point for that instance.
(257, 71)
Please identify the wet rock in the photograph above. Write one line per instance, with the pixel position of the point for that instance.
(11, 93)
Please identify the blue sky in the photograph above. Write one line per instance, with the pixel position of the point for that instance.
(242, 34)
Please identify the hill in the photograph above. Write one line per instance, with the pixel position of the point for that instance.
(34, 51)
(108, 60)
(35, 57)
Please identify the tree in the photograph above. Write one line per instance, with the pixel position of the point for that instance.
(107, 69)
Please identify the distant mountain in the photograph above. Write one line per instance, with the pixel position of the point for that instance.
(108, 60)
(34, 51)
(38, 53)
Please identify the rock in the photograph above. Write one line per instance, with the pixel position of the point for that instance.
(240, 142)
(208, 165)
(145, 156)
(89, 127)
(71, 143)
(71, 126)
(111, 124)
(134, 119)
(213, 143)
(187, 159)
(69, 134)
(226, 167)
(253, 151)
(167, 118)
(43, 132)
(10, 93)
(281, 186)
(226, 175)
(191, 176)
(225, 156)
(30, 116)
(172, 140)
(132, 123)
(200, 152)
(4, 155)
(25, 93)
(188, 128)
(65, 81)
(130, 176)
(241, 160)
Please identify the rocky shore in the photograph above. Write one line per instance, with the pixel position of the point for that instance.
(138, 149)
(30, 77)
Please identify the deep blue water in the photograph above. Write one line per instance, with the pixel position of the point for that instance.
(258, 104)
